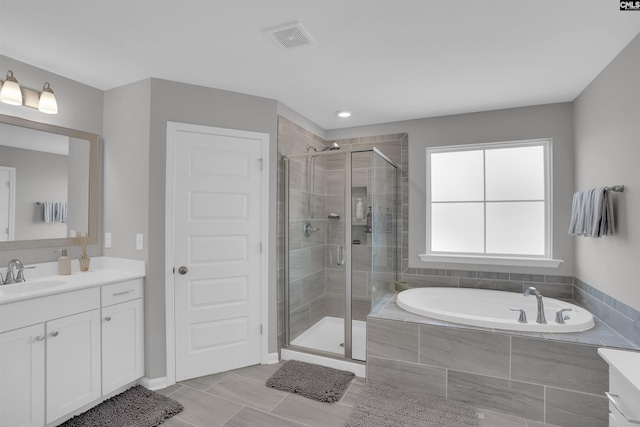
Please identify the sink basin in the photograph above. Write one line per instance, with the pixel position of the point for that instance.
(27, 287)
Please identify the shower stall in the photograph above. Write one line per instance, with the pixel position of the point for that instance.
(340, 247)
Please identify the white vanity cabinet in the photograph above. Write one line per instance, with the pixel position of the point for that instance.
(624, 387)
(72, 363)
(62, 353)
(122, 334)
(22, 377)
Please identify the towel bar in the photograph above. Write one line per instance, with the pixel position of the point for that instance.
(616, 188)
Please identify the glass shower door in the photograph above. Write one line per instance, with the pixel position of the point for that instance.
(315, 279)
(384, 246)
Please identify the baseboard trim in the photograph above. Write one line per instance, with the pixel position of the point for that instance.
(271, 359)
(154, 383)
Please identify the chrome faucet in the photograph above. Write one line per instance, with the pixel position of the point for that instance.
(11, 277)
(540, 318)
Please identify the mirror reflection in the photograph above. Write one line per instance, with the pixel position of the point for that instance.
(44, 184)
(48, 184)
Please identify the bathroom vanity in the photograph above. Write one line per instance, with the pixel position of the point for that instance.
(69, 342)
(624, 387)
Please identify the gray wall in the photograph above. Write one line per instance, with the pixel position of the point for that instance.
(139, 134)
(80, 107)
(126, 168)
(607, 150)
(545, 121)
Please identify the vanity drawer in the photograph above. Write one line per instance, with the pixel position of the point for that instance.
(37, 310)
(121, 292)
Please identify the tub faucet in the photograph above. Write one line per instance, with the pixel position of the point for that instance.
(540, 318)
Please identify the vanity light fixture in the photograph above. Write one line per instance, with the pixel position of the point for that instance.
(343, 114)
(47, 103)
(12, 93)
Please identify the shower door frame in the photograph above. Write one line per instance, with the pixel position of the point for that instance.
(348, 208)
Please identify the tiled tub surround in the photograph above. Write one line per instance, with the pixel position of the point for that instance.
(621, 320)
(553, 378)
(619, 316)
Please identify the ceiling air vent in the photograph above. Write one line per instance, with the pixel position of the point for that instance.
(289, 35)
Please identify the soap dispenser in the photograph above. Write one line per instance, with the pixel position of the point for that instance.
(64, 263)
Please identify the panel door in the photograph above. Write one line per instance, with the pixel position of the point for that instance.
(7, 203)
(217, 238)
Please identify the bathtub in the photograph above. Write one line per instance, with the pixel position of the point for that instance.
(491, 309)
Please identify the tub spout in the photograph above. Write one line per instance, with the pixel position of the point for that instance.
(541, 318)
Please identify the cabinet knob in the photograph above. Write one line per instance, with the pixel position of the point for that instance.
(107, 319)
(40, 338)
(54, 333)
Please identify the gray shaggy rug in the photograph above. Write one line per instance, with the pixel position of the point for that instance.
(384, 406)
(312, 381)
(136, 407)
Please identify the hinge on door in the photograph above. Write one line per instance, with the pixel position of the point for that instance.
(260, 160)
(261, 329)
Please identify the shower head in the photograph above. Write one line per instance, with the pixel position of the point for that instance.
(333, 146)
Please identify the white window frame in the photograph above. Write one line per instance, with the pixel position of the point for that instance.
(545, 260)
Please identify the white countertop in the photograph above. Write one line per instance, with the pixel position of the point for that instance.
(44, 280)
(627, 362)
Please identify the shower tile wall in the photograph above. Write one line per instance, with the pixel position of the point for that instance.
(362, 187)
(308, 296)
(317, 284)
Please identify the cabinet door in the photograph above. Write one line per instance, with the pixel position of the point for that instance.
(73, 363)
(22, 377)
(122, 344)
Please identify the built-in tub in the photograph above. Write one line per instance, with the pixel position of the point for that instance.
(492, 309)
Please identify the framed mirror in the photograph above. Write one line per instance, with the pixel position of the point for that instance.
(48, 184)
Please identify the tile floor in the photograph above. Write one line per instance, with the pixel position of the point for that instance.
(239, 398)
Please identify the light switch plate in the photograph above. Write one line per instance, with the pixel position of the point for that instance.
(107, 240)
(139, 242)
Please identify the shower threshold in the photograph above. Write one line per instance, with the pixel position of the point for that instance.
(328, 335)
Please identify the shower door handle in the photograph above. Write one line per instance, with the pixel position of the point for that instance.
(340, 255)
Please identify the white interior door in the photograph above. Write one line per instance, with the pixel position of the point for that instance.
(7, 203)
(217, 239)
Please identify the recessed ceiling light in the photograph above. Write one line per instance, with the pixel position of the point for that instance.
(343, 114)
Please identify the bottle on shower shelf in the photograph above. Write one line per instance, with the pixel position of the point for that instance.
(359, 209)
(368, 228)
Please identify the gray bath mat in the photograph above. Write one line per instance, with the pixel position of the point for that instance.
(312, 381)
(136, 407)
(383, 406)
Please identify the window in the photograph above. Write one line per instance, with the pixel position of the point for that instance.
(490, 204)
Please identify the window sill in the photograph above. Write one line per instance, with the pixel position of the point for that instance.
(489, 260)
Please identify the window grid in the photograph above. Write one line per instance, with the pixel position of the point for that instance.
(546, 145)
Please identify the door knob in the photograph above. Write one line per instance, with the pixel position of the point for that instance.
(183, 270)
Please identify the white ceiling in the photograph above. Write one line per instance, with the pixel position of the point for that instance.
(386, 60)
